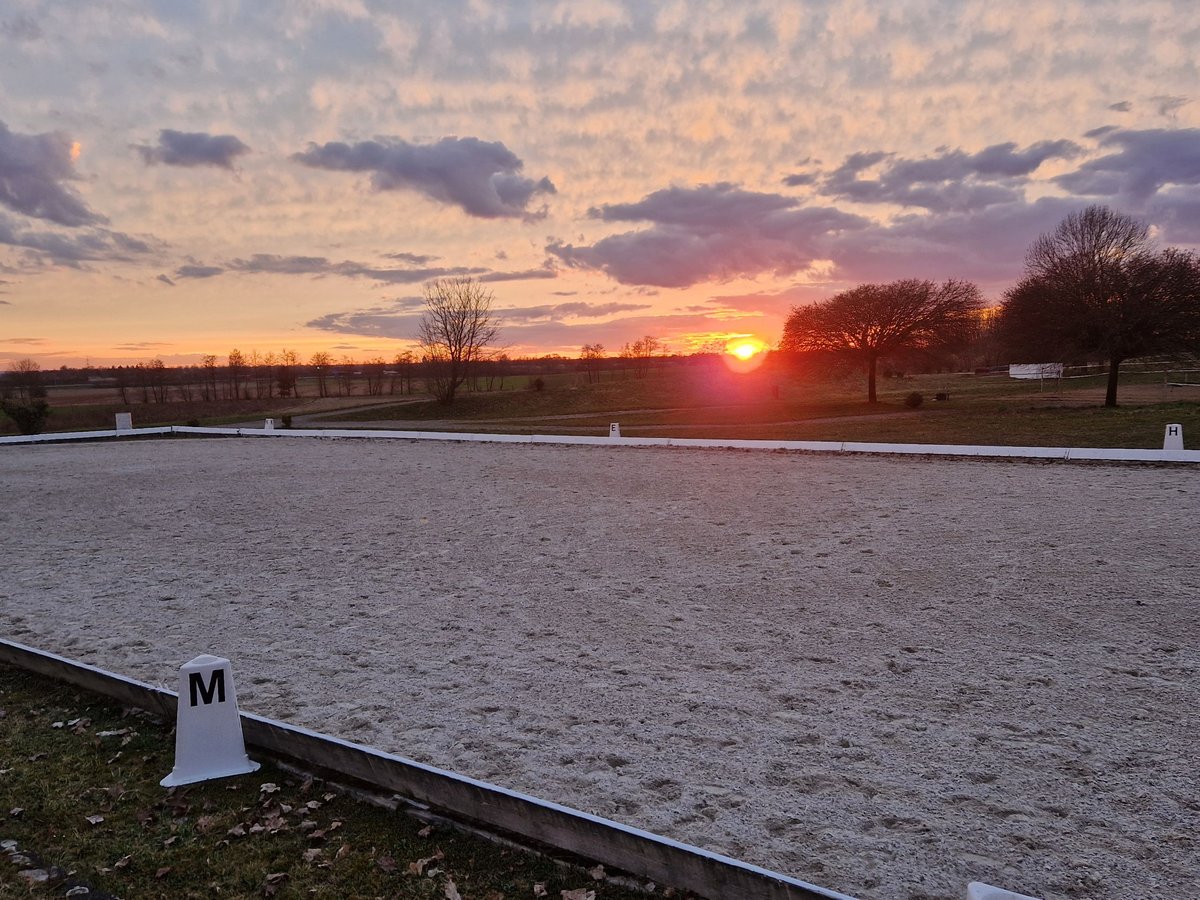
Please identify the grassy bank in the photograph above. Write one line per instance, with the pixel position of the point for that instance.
(83, 808)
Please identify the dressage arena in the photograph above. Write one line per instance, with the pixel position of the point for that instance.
(887, 676)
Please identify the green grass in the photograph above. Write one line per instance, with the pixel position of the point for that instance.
(79, 778)
(714, 403)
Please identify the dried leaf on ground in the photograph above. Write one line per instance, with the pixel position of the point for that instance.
(578, 894)
(451, 891)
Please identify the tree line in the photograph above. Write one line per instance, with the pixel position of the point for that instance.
(1094, 289)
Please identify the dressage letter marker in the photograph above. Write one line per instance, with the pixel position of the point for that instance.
(208, 731)
(1173, 439)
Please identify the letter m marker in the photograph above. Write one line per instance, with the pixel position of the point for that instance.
(199, 693)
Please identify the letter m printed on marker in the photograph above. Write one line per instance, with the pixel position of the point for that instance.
(198, 691)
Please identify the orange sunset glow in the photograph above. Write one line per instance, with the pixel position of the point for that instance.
(666, 178)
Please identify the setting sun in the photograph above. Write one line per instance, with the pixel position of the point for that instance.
(744, 354)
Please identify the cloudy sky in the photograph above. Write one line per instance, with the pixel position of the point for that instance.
(184, 178)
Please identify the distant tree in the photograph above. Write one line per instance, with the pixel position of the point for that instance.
(286, 382)
(21, 396)
(456, 329)
(320, 361)
(1096, 287)
(235, 372)
(208, 385)
(640, 353)
(873, 321)
(405, 366)
(591, 354)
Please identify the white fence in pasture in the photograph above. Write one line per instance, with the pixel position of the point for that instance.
(1174, 454)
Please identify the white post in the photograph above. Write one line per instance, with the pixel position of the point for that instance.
(124, 421)
(208, 730)
(614, 430)
(270, 425)
(1173, 439)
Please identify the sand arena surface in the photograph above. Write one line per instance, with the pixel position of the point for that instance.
(886, 676)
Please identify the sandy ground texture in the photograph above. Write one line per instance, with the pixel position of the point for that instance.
(887, 676)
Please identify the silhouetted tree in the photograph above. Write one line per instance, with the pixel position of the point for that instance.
(591, 354)
(21, 396)
(455, 331)
(1096, 287)
(873, 321)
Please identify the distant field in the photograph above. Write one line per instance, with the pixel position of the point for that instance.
(707, 403)
(710, 401)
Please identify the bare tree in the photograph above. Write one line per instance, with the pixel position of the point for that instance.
(236, 372)
(640, 352)
(455, 331)
(591, 354)
(873, 321)
(1095, 287)
(320, 361)
(22, 396)
(286, 381)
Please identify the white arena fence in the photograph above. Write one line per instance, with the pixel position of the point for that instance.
(999, 452)
(447, 794)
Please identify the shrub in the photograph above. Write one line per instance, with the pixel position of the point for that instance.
(537, 384)
(914, 400)
(287, 420)
(29, 417)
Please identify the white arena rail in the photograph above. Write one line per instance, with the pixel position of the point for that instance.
(982, 451)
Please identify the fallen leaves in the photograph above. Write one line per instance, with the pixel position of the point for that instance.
(578, 894)
(94, 820)
(451, 891)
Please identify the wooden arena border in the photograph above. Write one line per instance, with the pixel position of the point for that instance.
(1076, 454)
(478, 803)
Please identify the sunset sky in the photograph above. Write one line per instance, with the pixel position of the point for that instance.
(179, 179)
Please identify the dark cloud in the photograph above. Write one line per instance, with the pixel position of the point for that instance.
(1144, 162)
(166, 280)
(545, 270)
(482, 178)
(1177, 212)
(1168, 105)
(266, 263)
(193, 148)
(415, 259)
(319, 266)
(74, 248)
(557, 312)
(799, 180)
(954, 181)
(32, 169)
(192, 271)
(708, 233)
(1123, 106)
(399, 319)
(984, 245)
(21, 28)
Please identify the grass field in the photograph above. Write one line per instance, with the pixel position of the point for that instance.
(711, 401)
(83, 808)
(714, 403)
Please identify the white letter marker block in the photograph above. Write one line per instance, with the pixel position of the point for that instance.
(1173, 439)
(614, 430)
(124, 422)
(269, 425)
(208, 731)
(978, 891)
